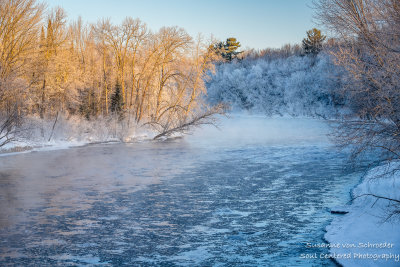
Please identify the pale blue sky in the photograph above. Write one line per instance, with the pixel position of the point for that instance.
(255, 23)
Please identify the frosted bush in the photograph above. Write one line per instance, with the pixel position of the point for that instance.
(296, 86)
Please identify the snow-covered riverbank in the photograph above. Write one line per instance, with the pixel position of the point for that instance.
(367, 235)
(24, 146)
(38, 135)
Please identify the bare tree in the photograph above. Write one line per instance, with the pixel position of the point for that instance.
(51, 68)
(8, 127)
(121, 39)
(369, 34)
(181, 87)
(370, 52)
(19, 25)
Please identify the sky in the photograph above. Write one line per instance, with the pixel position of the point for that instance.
(256, 24)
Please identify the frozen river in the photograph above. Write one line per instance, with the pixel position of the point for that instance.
(250, 194)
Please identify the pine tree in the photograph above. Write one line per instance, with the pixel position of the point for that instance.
(228, 49)
(313, 43)
(116, 99)
(231, 46)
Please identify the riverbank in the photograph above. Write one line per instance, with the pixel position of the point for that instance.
(36, 134)
(368, 234)
(39, 135)
(25, 146)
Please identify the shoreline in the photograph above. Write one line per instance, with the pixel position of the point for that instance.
(361, 228)
(26, 147)
(18, 149)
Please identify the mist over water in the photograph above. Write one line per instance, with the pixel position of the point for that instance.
(250, 193)
(244, 130)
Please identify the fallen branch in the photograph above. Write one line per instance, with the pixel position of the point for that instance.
(378, 197)
(202, 119)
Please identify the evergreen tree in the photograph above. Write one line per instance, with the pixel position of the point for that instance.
(231, 46)
(228, 49)
(313, 43)
(116, 99)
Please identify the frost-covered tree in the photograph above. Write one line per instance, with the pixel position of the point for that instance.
(278, 86)
(50, 67)
(370, 34)
(19, 27)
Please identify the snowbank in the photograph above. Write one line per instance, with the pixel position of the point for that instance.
(367, 235)
(38, 135)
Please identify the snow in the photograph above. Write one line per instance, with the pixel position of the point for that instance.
(298, 86)
(72, 132)
(366, 235)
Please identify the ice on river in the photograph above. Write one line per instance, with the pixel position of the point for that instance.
(250, 193)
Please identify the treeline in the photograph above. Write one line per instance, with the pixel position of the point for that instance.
(278, 84)
(294, 80)
(48, 66)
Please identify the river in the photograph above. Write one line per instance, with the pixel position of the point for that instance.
(251, 193)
